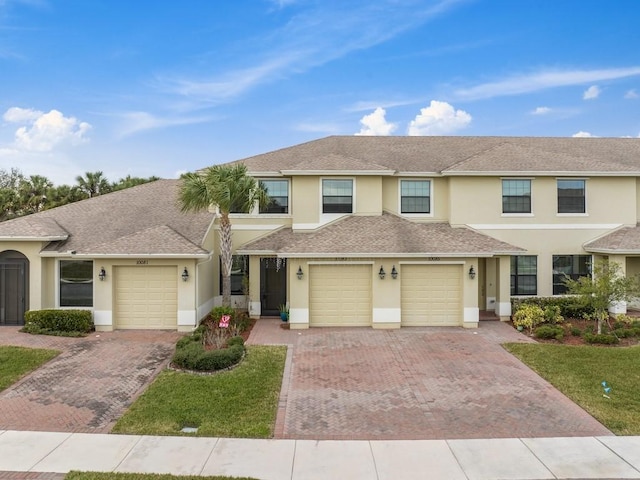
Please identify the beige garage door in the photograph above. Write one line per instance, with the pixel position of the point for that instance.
(146, 297)
(339, 295)
(431, 295)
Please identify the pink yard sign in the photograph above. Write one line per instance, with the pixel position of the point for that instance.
(224, 321)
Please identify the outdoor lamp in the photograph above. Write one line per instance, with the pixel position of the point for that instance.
(102, 274)
(381, 273)
(185, 275)
(299, 272)
(472, 273)
(394, 272)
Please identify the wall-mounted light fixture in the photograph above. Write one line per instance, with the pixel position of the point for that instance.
(299, 273)
(103, 274)
(185, 274)
(394, 272)
(381, 273)
(472, 273)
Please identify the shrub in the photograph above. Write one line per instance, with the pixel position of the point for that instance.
(191, 354)
(569, 307)
(58, 322)
(552, 314)
(600, 338)
(623, 320)
(575, 331)
(549, 331)
(623, 332)
(528, 316)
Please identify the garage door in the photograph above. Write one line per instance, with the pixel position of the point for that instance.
(339, 295)
(431, 295)
(146, 297)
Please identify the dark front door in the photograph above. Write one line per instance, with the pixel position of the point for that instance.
(13, 288)
(273, 285)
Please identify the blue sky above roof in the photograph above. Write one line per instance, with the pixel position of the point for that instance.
(156, 88)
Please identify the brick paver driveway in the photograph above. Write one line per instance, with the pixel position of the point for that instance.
(415, 383)
(89, 385)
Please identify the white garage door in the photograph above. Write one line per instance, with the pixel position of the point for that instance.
(431, 295)
(339, 295)
(146, 297)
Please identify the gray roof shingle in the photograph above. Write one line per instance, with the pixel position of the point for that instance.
(145, 219)
(452, 155)
(625, 240)
(386, 235)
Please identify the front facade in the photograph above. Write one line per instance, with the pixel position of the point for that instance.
(383, 232)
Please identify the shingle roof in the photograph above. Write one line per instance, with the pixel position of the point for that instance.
(386, 235)
(625, 240)
(451, 155)
(145, 219)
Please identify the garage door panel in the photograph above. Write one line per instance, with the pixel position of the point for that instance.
(340, 295)
(431, 295)
(145, 297)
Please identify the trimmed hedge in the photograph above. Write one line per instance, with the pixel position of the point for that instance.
(569, 306)
(191, 355)
(58, 321)
(549, 331)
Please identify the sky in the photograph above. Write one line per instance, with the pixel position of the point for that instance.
(162, 87)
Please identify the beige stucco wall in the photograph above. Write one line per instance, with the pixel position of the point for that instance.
(305, 199)
(478, 200)
(368, 195)
(439, 193)
(31, 250)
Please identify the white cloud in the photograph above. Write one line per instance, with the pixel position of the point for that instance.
(582, 134)
(376, 124)
(135, 122)
(631, 94)
(42, 132)
(591, 93)
(439, 118)
(541, 111)
(534, 82)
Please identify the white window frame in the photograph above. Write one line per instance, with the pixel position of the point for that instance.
(515, 215)
(327, 217)
(586, 205)
(276, 215)
(431, 195)
(57, 285)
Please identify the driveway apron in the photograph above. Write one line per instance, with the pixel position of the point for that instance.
(415, 383)
(89, 385)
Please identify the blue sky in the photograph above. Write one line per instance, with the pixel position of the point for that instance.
(159, 87)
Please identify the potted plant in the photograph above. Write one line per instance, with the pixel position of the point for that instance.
(284, 312)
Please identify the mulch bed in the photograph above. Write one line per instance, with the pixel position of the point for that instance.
(582, 324)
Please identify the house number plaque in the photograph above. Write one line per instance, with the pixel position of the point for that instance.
(142, 262)
(434, 259)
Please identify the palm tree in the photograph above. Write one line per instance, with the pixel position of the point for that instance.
(33, 193)
(129, 181)
(230, 189)
(93, 184)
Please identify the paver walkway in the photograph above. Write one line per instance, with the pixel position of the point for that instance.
(415, 383)
(89, 385)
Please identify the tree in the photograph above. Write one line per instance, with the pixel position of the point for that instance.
(130, 181)
(607, 287)
(93, 184)
(63, 195)
(33, 193)
(229, 189)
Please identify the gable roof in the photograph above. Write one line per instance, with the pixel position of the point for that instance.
(387, 235)
(454, 156)
(142, 220)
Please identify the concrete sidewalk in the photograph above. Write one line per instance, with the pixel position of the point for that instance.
(525, 458)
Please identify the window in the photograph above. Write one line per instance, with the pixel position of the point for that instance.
(415, 196)
(524, 275)
(76, 283)
(337, 196)
(571, 198)
(278, 191)
(571, 266)
(516, 196)
(239, 271)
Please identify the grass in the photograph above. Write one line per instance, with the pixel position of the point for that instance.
(16, 362)
(143, 476)
(578, 372)
(237, 403)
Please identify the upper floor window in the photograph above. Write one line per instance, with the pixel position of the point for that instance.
(571, 197)
(415, 196)
(524, 275)
(278, 191)
(516, 196)
(569, 266)
(76, 283)
(337, 196)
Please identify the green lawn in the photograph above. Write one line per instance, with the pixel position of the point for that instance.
(16, 362)
(142, 476)
(578, 372)
(238, 403)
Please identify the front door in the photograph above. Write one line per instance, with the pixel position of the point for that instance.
(273, 285)
(13, 288)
